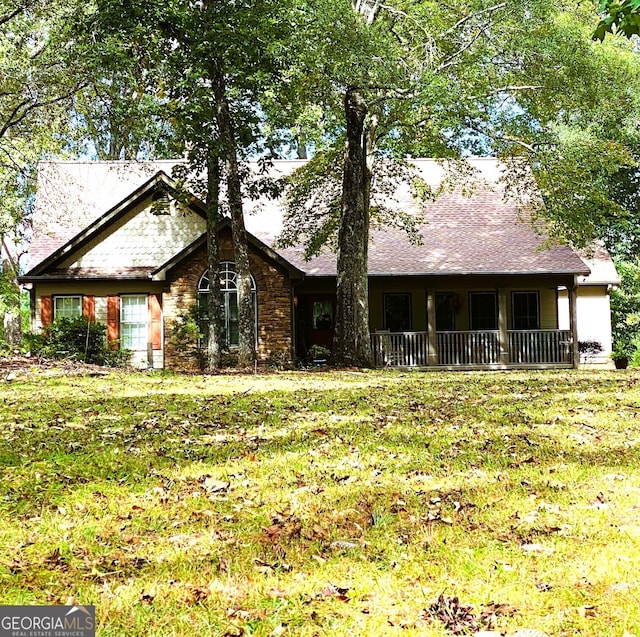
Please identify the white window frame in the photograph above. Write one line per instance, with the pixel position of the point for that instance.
(134, 326)
(65, 309)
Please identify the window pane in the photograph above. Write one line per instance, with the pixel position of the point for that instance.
(397, 312)
(134, 322)
(67, 307)
(233, 333)
(483, 307)
(526, 315)
(228, 285)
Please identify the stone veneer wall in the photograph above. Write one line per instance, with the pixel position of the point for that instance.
(273, 289)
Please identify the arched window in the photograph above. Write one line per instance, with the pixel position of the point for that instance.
(229, 292)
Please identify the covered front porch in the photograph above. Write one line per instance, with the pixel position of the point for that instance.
(519, 323)
(455, 322)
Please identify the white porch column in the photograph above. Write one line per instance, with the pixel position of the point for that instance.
(431, 328)
(503, 336)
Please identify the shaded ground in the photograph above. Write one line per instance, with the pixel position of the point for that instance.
(26, 367)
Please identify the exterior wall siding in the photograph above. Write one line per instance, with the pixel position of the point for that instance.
(419, 286)
(594, 319)
(98, 294)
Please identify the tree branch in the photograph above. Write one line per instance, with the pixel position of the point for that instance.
(466, 18)
(450, 61)
(7, 17)
(524, 87)
(25, 107)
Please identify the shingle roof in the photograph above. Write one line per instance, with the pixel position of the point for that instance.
(481, 234)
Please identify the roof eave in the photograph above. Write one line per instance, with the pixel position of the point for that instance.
(70, 277)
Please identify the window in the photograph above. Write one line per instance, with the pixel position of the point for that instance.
(67, 306)
(229, 292)
(397, 312)
(525, 310)
(446, 305)
(484, 310)
(134, 322)
(322, 315)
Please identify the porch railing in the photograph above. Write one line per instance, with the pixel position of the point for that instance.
(468, 348)
(400, 349)
(527, 347)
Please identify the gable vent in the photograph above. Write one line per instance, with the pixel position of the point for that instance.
(161, 204)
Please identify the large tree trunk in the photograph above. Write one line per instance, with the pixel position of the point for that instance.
(352, 345)
(214, 341)
(246, 320)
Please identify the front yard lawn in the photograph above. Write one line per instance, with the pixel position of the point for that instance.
(325, 503)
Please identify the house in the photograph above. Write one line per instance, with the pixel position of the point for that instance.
(113, 243)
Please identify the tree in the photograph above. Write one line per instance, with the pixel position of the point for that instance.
(625, 310)
(522, 81)
(214, 84)
(618, 17)
(37, 82)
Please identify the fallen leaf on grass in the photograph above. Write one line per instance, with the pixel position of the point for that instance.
(337, 592)
(586, 611)
(268, 567)
(340, 545)
(238, 613)
(214, 486)
(456, 617)
(190, 593)
(492, 611)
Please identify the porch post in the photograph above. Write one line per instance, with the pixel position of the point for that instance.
(573, 323)
(503, 336)
(431, 328)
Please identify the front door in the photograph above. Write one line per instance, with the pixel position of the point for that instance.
(316, 316)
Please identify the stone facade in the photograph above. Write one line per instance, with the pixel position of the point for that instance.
(274, 304)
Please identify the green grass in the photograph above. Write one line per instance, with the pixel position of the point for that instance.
(324, 503)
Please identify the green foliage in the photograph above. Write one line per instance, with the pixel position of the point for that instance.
(318, 352)
(625, 312)
(279, 360)
(187, 335)
(78, 339)
(186, 332)
(621, 17)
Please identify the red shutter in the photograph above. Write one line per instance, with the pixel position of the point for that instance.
(46, 310)
(155, 321)
(113, 318)
(89, 308)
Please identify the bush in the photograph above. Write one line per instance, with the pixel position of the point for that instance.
(625, 312)
(78, 339)
(589, 349)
